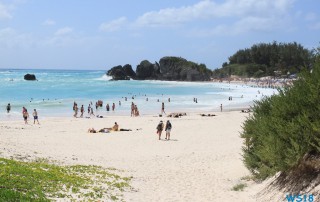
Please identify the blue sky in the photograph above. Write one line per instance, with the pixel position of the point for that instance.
(100, 34)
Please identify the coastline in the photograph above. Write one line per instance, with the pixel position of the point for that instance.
(210, 101)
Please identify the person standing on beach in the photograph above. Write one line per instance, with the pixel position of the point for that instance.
(168, 130)
(91, 111)
(113, 106)
(132, 109)
(8, 108)
(89, 108)
(107, 107)
(35, 116)
(162, 108)
(25, 115)
(82, 111)
(75, 110)
(160, 129)
(221, 107)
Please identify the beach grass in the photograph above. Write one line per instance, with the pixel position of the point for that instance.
(41, 181)
(239, 187)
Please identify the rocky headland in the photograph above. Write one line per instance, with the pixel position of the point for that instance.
(168, 69)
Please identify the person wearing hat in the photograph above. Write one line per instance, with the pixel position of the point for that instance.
(160, 129)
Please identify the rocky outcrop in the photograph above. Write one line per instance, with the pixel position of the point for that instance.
(168, 68)
(147, 70)
(30, 77)
(122, 73)
(129, 71)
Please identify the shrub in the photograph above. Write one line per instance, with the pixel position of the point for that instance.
(284, 127)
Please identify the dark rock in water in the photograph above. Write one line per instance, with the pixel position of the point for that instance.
(129, 71)
(118, 73)
(30, 77)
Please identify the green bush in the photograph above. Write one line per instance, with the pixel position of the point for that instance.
(284, 127)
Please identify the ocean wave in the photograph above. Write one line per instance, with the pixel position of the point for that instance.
(104, 78)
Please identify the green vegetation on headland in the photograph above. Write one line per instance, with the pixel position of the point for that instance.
(283, 133)
(267, 59)
(264, 59)
(40, 181)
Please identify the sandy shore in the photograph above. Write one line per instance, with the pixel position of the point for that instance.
(201, 162)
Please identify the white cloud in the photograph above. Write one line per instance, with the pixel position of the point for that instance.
(315, 26)
(113, 25)
(207, 9)
(4, 12)
(63, 31)
(310, 16)
(49, 22)
(9, 38)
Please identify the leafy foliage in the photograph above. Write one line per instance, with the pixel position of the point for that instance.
(284, 127)
(263, 59)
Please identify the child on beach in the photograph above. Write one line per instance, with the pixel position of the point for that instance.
(160, 129)
(35, 116)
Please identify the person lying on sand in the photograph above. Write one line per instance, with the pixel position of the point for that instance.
(107, 130)
(207, 114)
(92, 130)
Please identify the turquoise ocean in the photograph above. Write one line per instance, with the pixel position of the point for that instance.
(55, 91)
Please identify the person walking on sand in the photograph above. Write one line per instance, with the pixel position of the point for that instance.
(168, 130)
(8, 108)
(25, 115)
(160, 129)
(35, 116)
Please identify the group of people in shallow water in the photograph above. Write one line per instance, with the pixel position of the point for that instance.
(25, 115)
(134, 108)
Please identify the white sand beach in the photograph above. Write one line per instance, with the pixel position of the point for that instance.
(201, 162)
